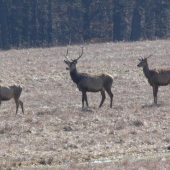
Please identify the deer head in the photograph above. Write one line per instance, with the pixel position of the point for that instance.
(143, 61)
(72, 63)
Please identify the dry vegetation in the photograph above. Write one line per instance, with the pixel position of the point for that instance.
(55, 133)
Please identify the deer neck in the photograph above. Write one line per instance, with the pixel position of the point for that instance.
(146, 71)
(75, 75)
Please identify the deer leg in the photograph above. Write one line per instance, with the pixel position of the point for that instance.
(82, 100)
(17, 103)
(155, 91)
(103, 96)
(111, 96)
(0, 103)
(84, 97)
(22, 105)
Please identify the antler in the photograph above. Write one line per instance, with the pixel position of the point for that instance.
(151, 54)
(80, 54)
(67, 55)
(147, 57)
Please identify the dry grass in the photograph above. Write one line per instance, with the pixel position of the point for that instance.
(56, 133)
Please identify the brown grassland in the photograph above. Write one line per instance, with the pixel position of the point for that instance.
(56, 133)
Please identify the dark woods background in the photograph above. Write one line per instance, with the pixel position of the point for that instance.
(44, 23)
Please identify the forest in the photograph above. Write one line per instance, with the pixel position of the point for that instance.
(46, 23)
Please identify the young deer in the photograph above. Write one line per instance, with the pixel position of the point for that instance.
(88, 82)
(155, 77)
(11, 91)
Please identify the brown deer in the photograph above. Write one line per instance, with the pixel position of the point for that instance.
(156, 77)
(11, 91)
(88, 82)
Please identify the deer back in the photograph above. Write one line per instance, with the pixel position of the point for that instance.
(6, 92)
(94, 82)
(161, 77)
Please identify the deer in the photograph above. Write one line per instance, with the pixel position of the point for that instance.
(11, 91)
(90, 82)
(156, 77)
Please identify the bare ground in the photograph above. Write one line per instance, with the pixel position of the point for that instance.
(56, 133)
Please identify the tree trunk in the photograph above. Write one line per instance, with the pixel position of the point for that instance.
(25, 23)
(49, 22)
(86, 19)
(136, 25)
(160, 21)
(34, 32)
(14, 15)
(41, 25)
(117, 21)
(149, 24)
(3, 24)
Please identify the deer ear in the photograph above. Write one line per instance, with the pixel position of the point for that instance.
(67, 62)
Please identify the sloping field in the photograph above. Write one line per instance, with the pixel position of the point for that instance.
(55, 133)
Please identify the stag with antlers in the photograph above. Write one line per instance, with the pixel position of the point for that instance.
(156, 77)
(90, 83)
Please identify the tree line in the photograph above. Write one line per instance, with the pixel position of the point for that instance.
(44, 23)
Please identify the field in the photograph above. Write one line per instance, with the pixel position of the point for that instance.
(56, 133)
